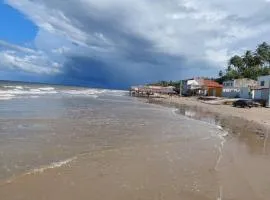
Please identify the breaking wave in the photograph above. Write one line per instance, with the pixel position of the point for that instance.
(8, 92)
(51, 166)
(43, 169)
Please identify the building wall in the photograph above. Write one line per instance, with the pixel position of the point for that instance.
(265, 94)
(215, 92)
(244, 82)
(231, 92)
(264, 81)
(245, 93)
(228, 84)
(257, 94)
(189, 85)
(262, 94)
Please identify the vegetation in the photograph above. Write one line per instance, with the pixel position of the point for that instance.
(250, 65)
(167, 83)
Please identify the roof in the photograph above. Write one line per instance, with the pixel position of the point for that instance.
(260, 88)
(211, 84)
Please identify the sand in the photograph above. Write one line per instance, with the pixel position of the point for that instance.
(165, 156)
(259, 115)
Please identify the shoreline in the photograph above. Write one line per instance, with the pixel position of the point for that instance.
(234, 120)
(159, 154)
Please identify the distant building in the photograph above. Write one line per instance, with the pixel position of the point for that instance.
(261, 92)
(192, 87)
(264, 81)
(150, 90)
(162, 90)
(202, 87)
(212, 88)
(239, 88)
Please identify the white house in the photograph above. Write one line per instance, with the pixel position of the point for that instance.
(264, 81)
(262, 91)
(238, 88)
(193, 86)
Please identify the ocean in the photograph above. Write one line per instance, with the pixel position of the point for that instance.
(42, 124)
(62, 142)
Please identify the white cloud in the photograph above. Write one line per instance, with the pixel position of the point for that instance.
(24, 59)
(61, 50)
(6, 45)
(219, 57)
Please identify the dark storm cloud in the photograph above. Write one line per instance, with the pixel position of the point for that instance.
(121, 42)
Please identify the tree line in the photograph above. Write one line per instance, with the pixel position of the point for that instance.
(249, 65)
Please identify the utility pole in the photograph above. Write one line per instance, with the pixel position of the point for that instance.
(180, 89)
(268, 92)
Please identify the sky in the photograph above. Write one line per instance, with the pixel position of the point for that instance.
(118, 43)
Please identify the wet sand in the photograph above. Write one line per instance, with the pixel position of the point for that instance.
(158, 171)
(158, 153)
(259, 115)
(244, 168)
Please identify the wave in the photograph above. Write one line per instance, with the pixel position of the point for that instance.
(51, 166)
(47, 88)
(33, 91)
(13, 86)
(43, 169)
(26, 92)
(83, 92)
(6, 96)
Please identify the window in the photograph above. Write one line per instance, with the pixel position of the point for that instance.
(262, 83)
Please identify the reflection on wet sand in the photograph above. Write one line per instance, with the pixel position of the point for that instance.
(123, 150)
(244, 169)
(131, 150)
(252, 134)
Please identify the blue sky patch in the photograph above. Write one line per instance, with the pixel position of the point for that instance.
(15, 27)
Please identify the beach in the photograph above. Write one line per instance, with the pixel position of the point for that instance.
(260, 115)
(81, 143)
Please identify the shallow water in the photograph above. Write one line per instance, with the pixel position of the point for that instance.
(105, 145)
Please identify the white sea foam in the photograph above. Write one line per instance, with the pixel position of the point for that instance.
(44, 168)
(222, 136)
(15, 92)
(51, 166)
(47, 88)
(116, 92)
(28, 91)
(84, 92)
(35, 90)
(13, 86)
(6, 96)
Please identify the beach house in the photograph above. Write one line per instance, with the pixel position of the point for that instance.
(212, 88)
(261, 92)
(161, 90)
(202, 87)
(192, 87)
(146, 90)
(239, 88)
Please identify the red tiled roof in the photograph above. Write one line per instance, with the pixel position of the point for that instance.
(211, 84)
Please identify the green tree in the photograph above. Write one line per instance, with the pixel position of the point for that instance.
(220, 74)
(263, 51)
(237, 63)
(250, 65)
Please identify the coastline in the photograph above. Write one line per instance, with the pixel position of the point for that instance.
(151, 152)
(255, 116)
(238, 121)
